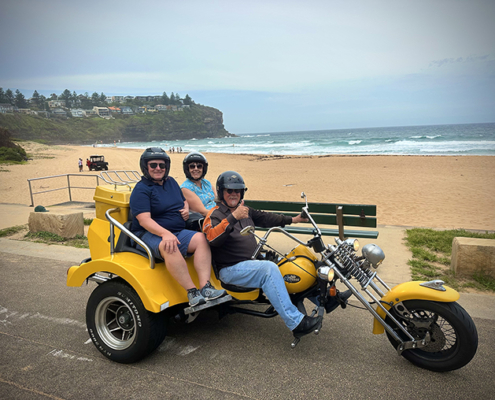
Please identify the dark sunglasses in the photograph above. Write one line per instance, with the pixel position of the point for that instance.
(193, 166)
(229, 191)
(153, 165)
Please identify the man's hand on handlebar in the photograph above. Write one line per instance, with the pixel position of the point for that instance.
(299, 218)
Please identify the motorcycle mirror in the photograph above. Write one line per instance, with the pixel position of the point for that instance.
(248, 230)
(303, 196)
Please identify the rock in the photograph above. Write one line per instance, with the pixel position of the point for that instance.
(66, 225)
(472, 255)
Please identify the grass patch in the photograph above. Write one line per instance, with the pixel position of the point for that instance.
(432, 251)
(12, 230)
(52, 238)
(87, 221)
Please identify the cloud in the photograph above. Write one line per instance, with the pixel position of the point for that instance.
(459, 60)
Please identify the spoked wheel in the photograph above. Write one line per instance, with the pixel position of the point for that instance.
(119, 325)
(453, 336)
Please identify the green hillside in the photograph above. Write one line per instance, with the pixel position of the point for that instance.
(194, 122)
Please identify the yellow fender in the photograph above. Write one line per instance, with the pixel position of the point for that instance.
(155, 287)
(412, 291)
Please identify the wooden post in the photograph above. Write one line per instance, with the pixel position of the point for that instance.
(340, 221)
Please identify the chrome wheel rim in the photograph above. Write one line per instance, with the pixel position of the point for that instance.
(115, 323)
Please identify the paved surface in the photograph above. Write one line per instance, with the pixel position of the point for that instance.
(45, 350)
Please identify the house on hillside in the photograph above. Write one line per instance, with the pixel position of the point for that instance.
(115, 110)
(56, 103)
(58, 112)
(126, 110)
(77, 113)
(6, 108)
(102, 111)
(89, 113)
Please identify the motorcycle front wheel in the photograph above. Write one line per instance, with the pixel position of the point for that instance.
(453, 335)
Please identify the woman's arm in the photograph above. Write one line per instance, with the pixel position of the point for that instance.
(195, 203)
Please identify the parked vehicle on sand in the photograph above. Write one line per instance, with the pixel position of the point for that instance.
(97, 163)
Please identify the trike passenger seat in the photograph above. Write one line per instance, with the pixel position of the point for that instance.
(126, 244)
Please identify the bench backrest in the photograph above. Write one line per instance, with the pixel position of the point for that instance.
(361, 215)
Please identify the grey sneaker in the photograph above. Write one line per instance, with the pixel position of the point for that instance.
(195, 297)
(210, 293)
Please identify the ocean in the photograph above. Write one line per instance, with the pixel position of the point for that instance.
(449, 140)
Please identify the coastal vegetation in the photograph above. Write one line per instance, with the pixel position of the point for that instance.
(10, 152)
(194, 122)
(70, 118)
(431, 252)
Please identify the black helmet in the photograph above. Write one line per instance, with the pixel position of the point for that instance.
(154, 153)
(230, 180)
(194, 157)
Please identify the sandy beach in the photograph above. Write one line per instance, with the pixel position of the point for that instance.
(420, 191)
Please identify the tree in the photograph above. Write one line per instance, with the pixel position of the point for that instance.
(65, 96)
(44, 103)
(20, 100)
(103, 99)
(95, 99)
(172, 98)
(53, 96)
(36, 98)
(74, 99)
(3, 99)
(9, 97)
(188, 101)
(165, 99)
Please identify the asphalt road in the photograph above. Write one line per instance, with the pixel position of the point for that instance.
(45, 352)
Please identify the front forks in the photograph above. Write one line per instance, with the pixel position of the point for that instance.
(410, 342)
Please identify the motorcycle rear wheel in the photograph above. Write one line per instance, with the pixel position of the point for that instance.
(119, 325)
(453, 335)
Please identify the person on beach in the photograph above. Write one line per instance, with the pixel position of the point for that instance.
(196, 189)
(159, 211)
(88, 164)
(232, 252)
(80, 165)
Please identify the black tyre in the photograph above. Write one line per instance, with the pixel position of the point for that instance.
(119, 325)
(453, 335)
(106, 167)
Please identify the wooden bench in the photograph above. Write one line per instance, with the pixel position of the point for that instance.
(340, 215)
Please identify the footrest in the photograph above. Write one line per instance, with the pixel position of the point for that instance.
(211, 303)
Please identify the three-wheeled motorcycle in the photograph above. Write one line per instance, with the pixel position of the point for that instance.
(135, 294)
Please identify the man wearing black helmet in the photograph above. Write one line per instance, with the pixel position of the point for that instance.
(159, 212)
(232, 252)
(196, 189)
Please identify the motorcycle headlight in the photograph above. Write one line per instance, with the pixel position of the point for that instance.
(373, 254)
(354, 243)
(326, 273)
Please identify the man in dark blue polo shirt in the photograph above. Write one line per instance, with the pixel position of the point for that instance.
(159, 212)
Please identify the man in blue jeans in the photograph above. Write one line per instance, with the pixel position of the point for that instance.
(232, 252)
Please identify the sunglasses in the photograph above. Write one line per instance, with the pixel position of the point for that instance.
(153, 165)
(194, 166)
(229, 191)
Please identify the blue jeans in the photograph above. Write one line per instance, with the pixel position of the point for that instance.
(264, 275)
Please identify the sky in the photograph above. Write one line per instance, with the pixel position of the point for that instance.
(269, 66)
